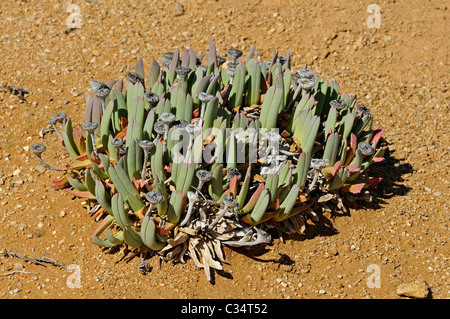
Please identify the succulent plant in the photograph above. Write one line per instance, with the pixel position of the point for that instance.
(211, 156)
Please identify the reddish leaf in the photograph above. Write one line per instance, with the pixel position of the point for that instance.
(378, 159)
(83, 164)
(353, 142)
(60, 183)
(352, 168)
(223, 92)
(79, 140)
(376, 136)
(233, 186)
(135, 183)
(268, 215)
(353, 188)
(83, 194)
(209, 139)
(372, 182)
(123, 123)
(336, 168)
(252, 201)
(196, 113)
(102, 226)
(82, 157)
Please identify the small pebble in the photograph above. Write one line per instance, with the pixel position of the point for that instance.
(178, 10)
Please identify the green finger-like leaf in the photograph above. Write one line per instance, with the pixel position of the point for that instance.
(215, 187)
(148, 234)
(339, 179)
(103, 197)
(260, 208)
(301, 171)
(288, 203)
(238, 88)
(154, 73)
(311, 134)
(114, 240)
(272, 185)
(90, 182)
(69, 142)
(106, 121)
(76, 184)
(175, 206)
(156, 160)
(245, 186)
(119, 212)
(331, 148)
(132, 238)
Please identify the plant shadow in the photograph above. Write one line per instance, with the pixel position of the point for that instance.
(391, 170)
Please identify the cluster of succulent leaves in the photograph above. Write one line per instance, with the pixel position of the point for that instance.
(123, 160)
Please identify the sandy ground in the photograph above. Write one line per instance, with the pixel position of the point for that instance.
(399, 70)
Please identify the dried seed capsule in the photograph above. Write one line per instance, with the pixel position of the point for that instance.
(234, 54)
(230, 202)
(281, 60)
(159, 127)
(305, 73)
(167, 57)
(220, 60)
(306, 84)
(59, 117)
(338, 104)
(193, 130)
(205, 97)
(52, 121)
(90, 127)
(183, 72)
(233, 172)
(95, 85)
(146, 146)
(318, 164)
(38, 149)
(167, 118)
(151, 98)
(117, 142)
(144, 267)
(133, 77)
(203, 175)
(363, 110)
(365, 148)
(154, 197)
(193, 198)
(102, 93)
